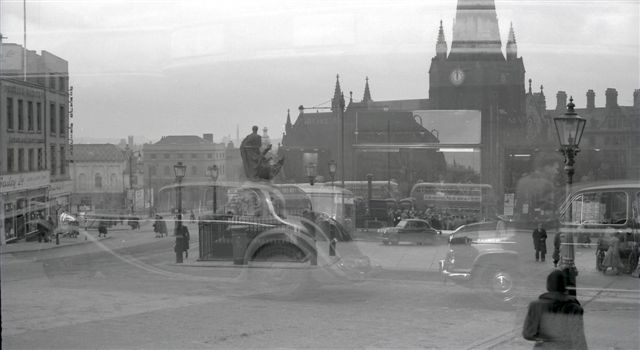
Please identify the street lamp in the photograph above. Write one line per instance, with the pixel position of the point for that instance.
(311, 170)
(212, 172)
(179, 170)
(333, 167)
(569, 127)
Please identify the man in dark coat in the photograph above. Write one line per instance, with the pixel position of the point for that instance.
(540, 242)
(554, 321)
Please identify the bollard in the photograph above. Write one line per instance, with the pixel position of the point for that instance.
(57, 238)
(179, 248)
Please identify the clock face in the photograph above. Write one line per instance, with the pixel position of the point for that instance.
(457, 76)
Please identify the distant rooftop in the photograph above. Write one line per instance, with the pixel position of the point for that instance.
(97, 153)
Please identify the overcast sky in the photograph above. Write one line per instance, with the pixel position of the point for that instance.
(155, 68)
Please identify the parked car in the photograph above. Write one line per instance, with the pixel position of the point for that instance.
(414, 231)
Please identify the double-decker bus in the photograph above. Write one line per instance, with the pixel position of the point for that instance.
(379, 189)
(456, 199)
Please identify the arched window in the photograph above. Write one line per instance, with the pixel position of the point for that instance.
(98, 180)
(113, 180)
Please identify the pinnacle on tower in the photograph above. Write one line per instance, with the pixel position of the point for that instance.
(338, 97)
(288, 125)
(512, 46)
(367, 93)
(441, 45)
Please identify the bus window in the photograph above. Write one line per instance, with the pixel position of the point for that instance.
(597, 208)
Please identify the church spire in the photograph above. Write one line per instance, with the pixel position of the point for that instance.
(512, 47)
(338, 96)
(367, 93)
(476, 34)
(288, 125)
(441, 45)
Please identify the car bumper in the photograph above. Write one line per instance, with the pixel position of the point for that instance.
(448, 274)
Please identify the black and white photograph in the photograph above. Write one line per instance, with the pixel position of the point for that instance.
(282, 174)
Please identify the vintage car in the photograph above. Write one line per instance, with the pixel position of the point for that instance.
(413, 231)
(281, 249)
(491, 256)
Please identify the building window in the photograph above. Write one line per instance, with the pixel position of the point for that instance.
(10, 160)
(210, 156)
(9, 113)
(167, 171)
(153, 156)
(180, 155)
(53, 160)
(152, 171)
(40, 159)
(39, 116)
(98, 180)
(52, 118)
(63, 127)
(61, 84)
(194, 156)
(63, 159)
(52, 81)
(166, 156)
(194, 170)
(31, 160)
(20, 116)
(29, 115)
(20, 160)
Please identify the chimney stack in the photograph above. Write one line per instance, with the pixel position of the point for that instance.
(208, 137)
(612, 98)
(591, 100)
(636, 99)
(561, 98)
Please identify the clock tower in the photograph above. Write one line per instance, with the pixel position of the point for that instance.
(476, 75)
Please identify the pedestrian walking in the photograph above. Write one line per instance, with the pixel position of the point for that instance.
(102, 229)
(612, 256)
(540, 242)
(555, 319)
(184, 231)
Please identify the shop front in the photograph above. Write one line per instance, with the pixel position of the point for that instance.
(24, 201)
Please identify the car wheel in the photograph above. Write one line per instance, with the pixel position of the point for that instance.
(280, 270)
(499, 285)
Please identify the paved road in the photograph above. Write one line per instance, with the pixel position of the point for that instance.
(126, 292)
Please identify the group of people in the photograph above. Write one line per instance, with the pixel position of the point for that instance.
(437, 220)
(160, 226)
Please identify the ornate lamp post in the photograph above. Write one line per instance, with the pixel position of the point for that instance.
(333, 167)
(569, 127)
(311, 170)
(179, 170)
(212, 172)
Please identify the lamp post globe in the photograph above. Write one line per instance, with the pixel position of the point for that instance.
(569, 128)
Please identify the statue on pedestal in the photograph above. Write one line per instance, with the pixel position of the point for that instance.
(257, 164)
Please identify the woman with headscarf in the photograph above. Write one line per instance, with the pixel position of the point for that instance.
(554, 321)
